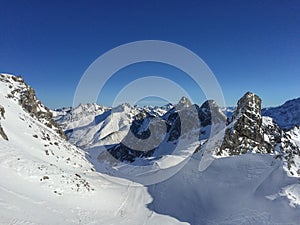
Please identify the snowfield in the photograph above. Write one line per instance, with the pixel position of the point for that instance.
(46, 180)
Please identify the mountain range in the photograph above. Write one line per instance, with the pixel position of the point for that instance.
(175, 164)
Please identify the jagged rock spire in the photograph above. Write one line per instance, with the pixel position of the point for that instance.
(250, 105)
(246, 132)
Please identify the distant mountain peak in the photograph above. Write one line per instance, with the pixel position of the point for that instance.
(184, 102)
(286, 115)
(210, 113)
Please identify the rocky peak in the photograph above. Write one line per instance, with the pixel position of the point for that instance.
(210, 113)
(246, 133)
(184, 102)
(249, 105)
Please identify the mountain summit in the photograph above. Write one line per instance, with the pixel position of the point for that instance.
(184, 102)
(250, 132)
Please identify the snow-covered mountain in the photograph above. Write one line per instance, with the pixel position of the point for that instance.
(286, 115)
(247, 130)
(47, 180)
(110, 128)
(257, 179)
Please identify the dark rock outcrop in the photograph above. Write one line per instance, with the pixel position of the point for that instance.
(26, 97)
(141, 141)
(2, 133)
(185, 120)
(2, 111)
(248, 131)
(245, 131)
(210, 113)
(123, 153)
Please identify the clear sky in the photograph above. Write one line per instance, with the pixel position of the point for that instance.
(249, 45)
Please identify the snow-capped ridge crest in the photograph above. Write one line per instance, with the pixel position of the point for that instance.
(18, 90)
(286, 115)
(33, 151)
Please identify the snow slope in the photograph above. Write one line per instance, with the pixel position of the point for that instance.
(232, 191)
(46, 180)
(248, 189)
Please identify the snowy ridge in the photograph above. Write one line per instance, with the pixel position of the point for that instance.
(286, 115)
(23, 94)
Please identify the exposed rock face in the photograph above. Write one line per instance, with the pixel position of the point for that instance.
(248, 131)
(2, 111)
(172, 117)
(210, 113)
(289, 150)
(26, 97)
(195, 117)
(123, 153)
(184, 120)
(146, 133)
(2, 133)
(245, 131)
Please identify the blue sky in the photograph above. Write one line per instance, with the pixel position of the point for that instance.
(249, 45)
